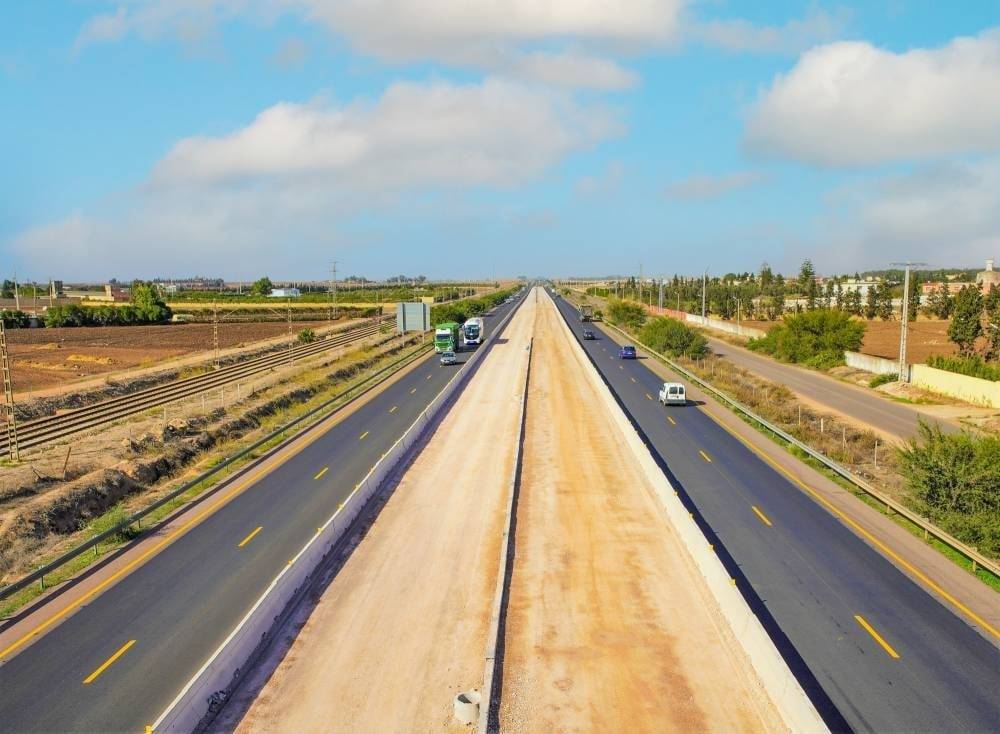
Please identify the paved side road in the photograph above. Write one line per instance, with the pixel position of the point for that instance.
(883, 415)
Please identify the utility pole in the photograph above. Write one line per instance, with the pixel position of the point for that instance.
(704, 292)
(333, 289)
(288, 306)
(659, 300)
(17, 295)
(905, 319)
(8, 394)
(215, 332)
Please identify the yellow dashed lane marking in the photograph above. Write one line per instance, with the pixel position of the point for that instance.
(761, 515)
(250, 537)
(107, 663)
(322, 471)
(705, 456)
(878, 638)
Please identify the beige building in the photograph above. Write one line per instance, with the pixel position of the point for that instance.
(989, 278)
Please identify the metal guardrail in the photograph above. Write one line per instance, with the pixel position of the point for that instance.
(39, 574)
(975, 557)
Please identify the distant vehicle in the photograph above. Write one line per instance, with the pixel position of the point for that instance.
(448, 358)
(473, 330)
(446, 337)
(627, 352)
(588, 334)
(586, 313)
(673, 393)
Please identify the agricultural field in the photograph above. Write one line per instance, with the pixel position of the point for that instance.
(43, 359)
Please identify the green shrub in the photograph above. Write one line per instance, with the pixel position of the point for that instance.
(884, 379)
(624, 313)
(955, 479)
(14, 319)
(307, 336)
(815, 338)
(673, 338)
(971, 366)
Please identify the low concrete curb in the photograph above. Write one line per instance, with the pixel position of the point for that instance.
(780, 684)
(489, 719)
(208, 689)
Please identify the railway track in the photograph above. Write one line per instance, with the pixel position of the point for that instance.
(43, 430)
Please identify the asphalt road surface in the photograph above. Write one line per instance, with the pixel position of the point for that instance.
(181, 604)
(862, 405)
(873, 649)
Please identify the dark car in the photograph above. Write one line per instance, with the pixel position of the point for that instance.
(588, 334)
(626, 352)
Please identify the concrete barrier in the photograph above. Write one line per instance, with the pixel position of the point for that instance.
(868, 363)
(973, 390)
(727, 326)
(206, 691)
(781, 686)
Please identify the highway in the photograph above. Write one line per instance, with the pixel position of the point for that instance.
(874, 650)
(120, 659)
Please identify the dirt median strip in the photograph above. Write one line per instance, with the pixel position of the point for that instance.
(610, 625)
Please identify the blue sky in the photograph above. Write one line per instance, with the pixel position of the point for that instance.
(460, 139)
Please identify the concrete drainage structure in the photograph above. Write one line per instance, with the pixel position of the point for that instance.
(466, 707)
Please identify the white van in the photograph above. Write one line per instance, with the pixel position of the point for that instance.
(673, 393)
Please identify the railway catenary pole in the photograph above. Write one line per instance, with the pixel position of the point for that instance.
(333, 289)
(288, 306)
(215, 332)
(8, 394)
(704, 292)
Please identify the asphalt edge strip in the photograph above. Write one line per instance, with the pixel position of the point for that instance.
(489, 720)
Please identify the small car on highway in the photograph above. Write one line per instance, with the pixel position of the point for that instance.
(673, 393)
(448, 358)
(588, 334)
(627, 352)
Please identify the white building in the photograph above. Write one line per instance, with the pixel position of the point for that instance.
(285, 293)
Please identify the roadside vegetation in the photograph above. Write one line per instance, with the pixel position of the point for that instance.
(814, 338)
(971, 366)
(146, 308)
(625, 313)
(954, 479)
(469, 307)
(673, 338)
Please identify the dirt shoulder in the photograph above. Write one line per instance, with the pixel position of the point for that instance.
(402, 627)
(610, 626)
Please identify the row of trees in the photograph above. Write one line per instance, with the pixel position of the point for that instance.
(662, 334)
(974, 317)
(145, 308)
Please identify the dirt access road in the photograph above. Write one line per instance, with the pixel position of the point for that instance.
(610, 626)
(402, 627)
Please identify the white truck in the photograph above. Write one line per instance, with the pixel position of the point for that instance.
(673, 393)
(474, 330)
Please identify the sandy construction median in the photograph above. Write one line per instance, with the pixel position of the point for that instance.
(402, 627)
(610, 626)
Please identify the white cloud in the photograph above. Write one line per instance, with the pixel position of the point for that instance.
(793, 37)
(572, 70)
(710, 187)
(605, 184)
(496, 36)
(849, 104)
(497, 133)
(298, 174)
(946, 215)
(291, 54)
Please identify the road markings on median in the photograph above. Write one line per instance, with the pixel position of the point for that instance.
(672, 421)
(250, 537)
(705, 456)
(362, 436)
(322, 471)
(761, 515)
(107, 663)
(878, 638)
(394, 408)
